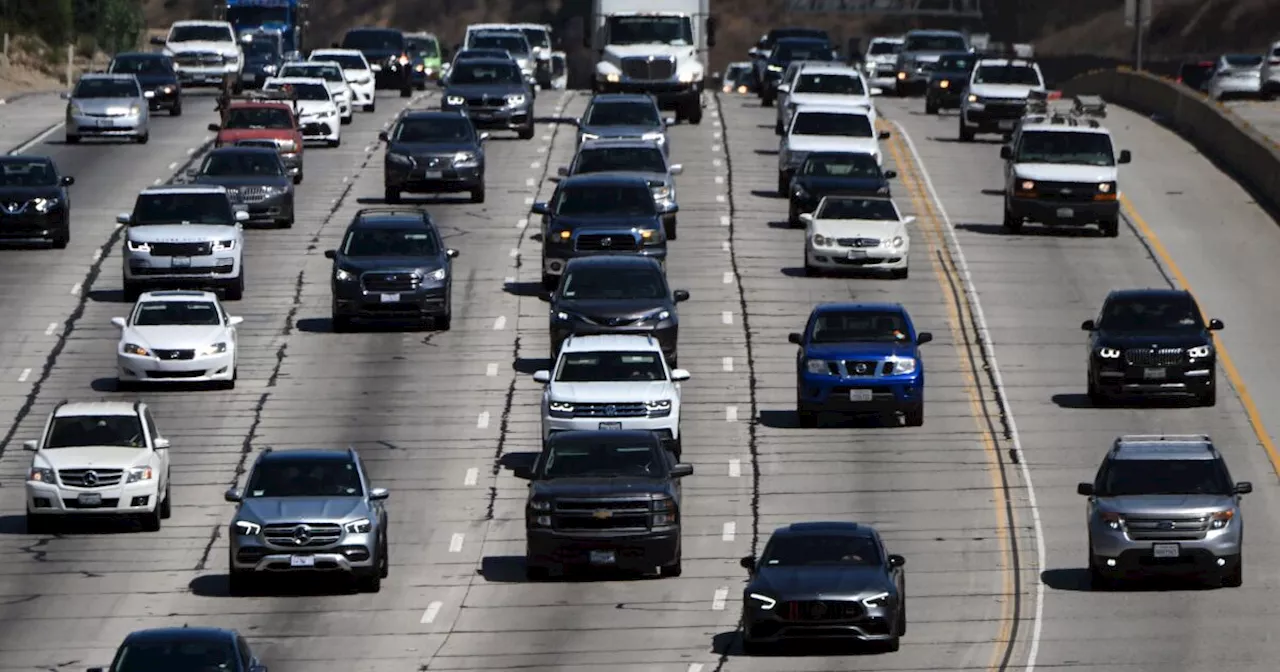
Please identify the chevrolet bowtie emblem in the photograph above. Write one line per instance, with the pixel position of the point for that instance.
(602, 514)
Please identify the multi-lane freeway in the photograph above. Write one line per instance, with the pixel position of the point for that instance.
(981, 499)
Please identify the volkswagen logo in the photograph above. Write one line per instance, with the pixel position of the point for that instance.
(301, 535)
(860, 368)
(90, 478)
(606, 242)
(818, 610)
(611, 410)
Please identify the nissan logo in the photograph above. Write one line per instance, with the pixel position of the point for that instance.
(860, 368)
(90, 478)
(301, 535)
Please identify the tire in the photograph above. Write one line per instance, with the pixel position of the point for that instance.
(914, 415)
(72, 139)
(1234, 577)
(444, 322)
(297, 179)
(1012, 224)
(550, 282)
(150, 521)
(766, 101)
(384, 566)
(811, 271)
(1096, 398)
(166, 504)
(930, 108)
(143, 139)
(391, 196)
(176, 110)
(333, 143)
(477, 195)
(807, 418)
(286, 223)
(669, 228)
(966, 135)
(1208, 398)
(672, 570)
(900, 273)
(406, 92)
(793, 216)
(1110, 229)
(892, 644)
(369, 583)
(777, 128)
(902, 619)
(59, 242)
(346, 121)
(341, 324)
(235, 290)
(371, 107)
(527, 132)
(37, 524)
(783, 183)
(753, 648)
(695, 112)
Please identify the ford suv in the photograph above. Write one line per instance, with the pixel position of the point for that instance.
(1164, 504)
(186, 235)
(308, 511)
(612, 382)
(104, 459)
(861, 358)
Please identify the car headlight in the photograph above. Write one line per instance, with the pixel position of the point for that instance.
(515, 99)
(612, 77)
(800, 192)
(215, 349)
(362, 526)
(135, 246)
(1114, 521)
(288, 146)
(343, 275)
(877, 600)
(690, 77)
(140, 474)
(1221, 518)
(944, 84)
(561, 407)
(1105, 187)
(974, 99)
(661, 193)
(464, 157)
(659, 405)
(40, 475)
(246, 528)
(898, 241)
(134, 110)
(1200, 351)
(74, 110)
(540, 505)
(437, 275)
(664, 511)
(764, 601)
(649, 236)
(224, 245)
(269, 69)
(775, 68)
(135, 349)
(1109, 353)
(363, 79)
(820, 240)
(45, 204)
(168, 90)
(817, 366)
(657, 316)
(1027, 185)
(656, 136)
(402, 159)
(324, 114)
(904, 365)
(562, 236)
(455, 100)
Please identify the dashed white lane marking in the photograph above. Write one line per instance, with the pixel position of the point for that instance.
(715, 148)
(730, 529)
(515, 252)
(173, 166)
(491, 370)
(728, 364)
(546, 137)
(717, 602)
(725, 246)
(717, 162)
(509, 280)
(720, 198)
(500, 323)
(432, 611)
(715, 123)
(695, 667)
(728, 277)
(521, 223)
(535, 165)
(529, 182)
(482, 422)
(725, 220)
(75, 289)
(528, 200)
(730, 413)
(22, 377)
(735, 468)
(191, 150)
(455, 543)
(542, 150)
(97, 254)
(53, 326)
(473, 475)
(159, 181)
(716, 135)
(346, 179)
(726, 317)
(719, 179)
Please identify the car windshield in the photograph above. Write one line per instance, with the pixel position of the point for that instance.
(610, 366)
(485, 73)
(388, 242)
(1007, 74)
(124, 431)
(602, 457)
(1164, 477)
(27, 173)
(246, 118)
(537, 37)
(1151, 314)
(189, 208)
(260, 48)
(803, 51)
(201, 34)
(141, 65)
(784, 33)
(1243, 60)
(799, 550)
(305, 478)
(935, 43)
(673, 30)
(849, 85)
(1093, 149)
(860, 326)
(304, 91)
(329, 73)
(177, 313)
(177, 655)
(885, 48)
(850, 166)
(434, 130)
(623, 114)
(637, 159)
(374, 40)
(876, 209)
(242, 163)
(513, 43)
(832, 123)
(423, 47)
(347, 61)
(106, 88)
(960, 63)
(606, 284)
(610, 201)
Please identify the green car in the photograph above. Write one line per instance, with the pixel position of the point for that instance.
(426, 56)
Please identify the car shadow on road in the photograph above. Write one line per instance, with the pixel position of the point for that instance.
(526, 289)
(766, 152)
(992, 192)
(324, 325)
(107, 296)
(33, 245)
(1031, 230)
(510, 569)
(765, 193)
(785, 225)
(412, 200)
(274, 585)
(975, 141)
(1076, 579)
(1076, 401)
(791, 420)
(529, 366)
(730, 644)
(112, 386)
(96, 526)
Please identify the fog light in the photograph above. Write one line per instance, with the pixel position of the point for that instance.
(1111, 562)
(140, 501)
(556, 266)
(1222, 562)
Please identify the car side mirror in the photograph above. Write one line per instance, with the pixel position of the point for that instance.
(784, 88)
(67, 180)
(233, 495)
(1006, 153)
(897, 561)
(31, 445)
(214, 127)
(1216, 324)
(884, 135)
(523, 472)
(542, 376)
(680, 295)
(675, 169)
(890, 174)
(1088, 325)
(924, 337)
(157, 40)
(1244, 488)
(161, 443)
(806, 217)
(242, 215)
(123, 218)
(148, 94)
(540, 208)
(65, 95)
(235, 321)
(119, 322)
(681, 470)
(796, 338)
(378, 494)
(748, 562)
(671, 208)
(669, 121)
(1085, 489)
(753, 52)
(547, 296)
(382, 135)
(1125, 156)
(451, 253)
(484, 136)
(576, 121)
(562, 171)
(679, 375)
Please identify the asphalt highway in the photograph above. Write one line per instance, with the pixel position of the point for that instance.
(994, 560)
(1261, 114)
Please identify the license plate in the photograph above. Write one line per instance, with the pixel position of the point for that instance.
(859, 395)
(1066, 213)
(302, 561)
(611, 425)
(433, 174)
(1006, 125)
(1165, 550)
(390, 298)
(1154, 374)
(603, 557)
(181, 262)
(89, 499)
(857, 254)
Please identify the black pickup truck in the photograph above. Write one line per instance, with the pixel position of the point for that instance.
(604, 500)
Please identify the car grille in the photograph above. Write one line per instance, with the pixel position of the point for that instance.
(858, 242)
(429, 162)
(822, 610)
(1154, 357)
(1068, 191)
(867, 368)
(622, 410)
(15, 207)
(390, 282)
(613, 321)
(175, 354)
(648, 68)
(81, 477)
(486, 101)
(609, 242)
(302, 535)
(1005, 109)
(250, 194)
(601, 514)
(1166, 528)
(199, 58)
(181, 249)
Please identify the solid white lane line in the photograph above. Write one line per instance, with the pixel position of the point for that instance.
(725, 246)
(491, 370)
(432, 611)
(22, 377)
(728, 364)
(97, 254)
(728, 277)
(455, 543)
(500, 323)
(735, 468)
(483, 420)
(473, 475)
(39, 138)
(730, 529)
(53, 326)
(715, 148)
(717, 162)
(726, 317)
(730, 413)
(75, 289)
(717, 602)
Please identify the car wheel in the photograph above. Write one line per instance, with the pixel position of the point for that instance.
(176, 110)
(406, 92)
(672, 570)
(235, 290)
(150, 520)
(1012, 224)
(444, 322)
(807, 418)
(914, 415)
(783, 182)
(900, 273)
(370, 582)
(669, 228)
(143, 139)
(695, 112)
(346, 121)
(902, 619)
(1111, 228)
(966, 135)
(391, 196)
(477, 195)
(370, 107)
(286, 223)
(777, 128)
(341, 324)
(811, 271)
(892, 644)
(1234, 577)
(59, 242)
(1208, 397)
(549, 282)
(37, 524)
(526, 133)
(337, 142)
(166, 504)
(930, 108)
(752, 648)
(72, 139)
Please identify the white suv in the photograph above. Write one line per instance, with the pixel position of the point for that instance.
(612, 382)
(103, 458)
(183, 235)
(996, 96)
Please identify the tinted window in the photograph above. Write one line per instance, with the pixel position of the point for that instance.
(1153, 314)
(177, 313)
(623, 114)
(882, 48)
(96, 430)
(423, 47)
(842, 165)
(609, 201)
(176, 656)
(347, 61)
(331, 73)
(1164, 477)
(182, 209)
(838, 84)
(935, 43)
(303, 91)
(955, 63)
(881, 209)
(832, 123)
(537, 37)
(1243, 60)
(141, 65)
(803, 51)
(783, 33)
(201, 34)
(514, 44)
(796, 550)
(374, 40)
(261, 47)
(106, 88)
(228, 164)
(603, 283)
(482, 53)
(387, 242)
(435, 129)
(258, 117)
(1007, 74)
(305, 478)
(485, 73)
(860, 327)
(1056, 147)
(639, 159)
(674, 30)
(600, 367)
(27, 173)
(602, 457)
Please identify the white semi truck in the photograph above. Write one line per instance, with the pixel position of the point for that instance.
(659, 47)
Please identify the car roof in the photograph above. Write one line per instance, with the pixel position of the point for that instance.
(421, 36)
(621, 98)
(1154, 292)
(796, 39)
(180, 189)
(829, 108)
(828, 68)
(1046, 127)
(334, 51)
(198, 22)
(203, 633)
(373, 29)
(81, 408)
(177, 295)
(933, 32)
(896, 39)
(1169, 447)
(604, 179)
(335, 454)
(114, 76)
(867, 307)
(613, 261)
(610, 342)
(311, 64)
(832, 527)
(1003, 62)
(605, 143)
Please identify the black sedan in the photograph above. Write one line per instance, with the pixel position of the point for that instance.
(156, 74)
(824, 580)
(433, 152)
(184, 649)
(947, 82)
(835, 174)
(255, 179)
(33, 201)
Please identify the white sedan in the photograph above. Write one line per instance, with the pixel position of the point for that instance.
(846, 233)
(177, 337)
(319, 117)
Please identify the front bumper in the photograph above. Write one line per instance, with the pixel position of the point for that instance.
(669, 94)
(363, 94)
(991, 118)
(856, 259)
(1115, 554)
(33, 226)
(508, 118)
(349, 300)
(321, 129)
(353, 554)
(1059, 212)
(1118, 379)
(442, 179)
(771, 626)
(667, 428)
(211, 75)
(162, 270)
(949, 98)
(131, 125)
(127, 498)
(165, 97)
(553, 261)
(636, 552)
(667, 337)
(135, 368)
(816, 392)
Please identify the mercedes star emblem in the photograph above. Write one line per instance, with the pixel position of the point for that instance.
(818, 610)
(90, 478)
(301, 535)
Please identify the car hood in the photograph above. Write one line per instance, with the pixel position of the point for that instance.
(832, 143)
(307, 108)
(789, 583)
(21, 195)
(604, 221)
(839, 185)
(857, 228)
(1065, 172)
(654, 179)
(949, 75)
(1174, 506)
(225, 48)
(1003, 90)
(841, 99)
(232, 181)
(851, 350)
(234, 135)
(614, 53)
(182, 233)
(423, 265)
(494, 90)
(432, 148)
(619, 131)
(175, 337)
(612, 391)
(882, 58)
(152, 80)
(268, 510)
(112, 457)
(595, 486)
(604, 309)
(1127, 340)
(102, 105)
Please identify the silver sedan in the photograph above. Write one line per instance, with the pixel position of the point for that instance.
(108, 106)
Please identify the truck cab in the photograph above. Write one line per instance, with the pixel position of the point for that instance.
(286, 17)
(258, 116)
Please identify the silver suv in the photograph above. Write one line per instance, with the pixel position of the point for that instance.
(308, 511)
(1164, 504)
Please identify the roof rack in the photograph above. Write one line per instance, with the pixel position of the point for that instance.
(1153, 438)
(1084, 111)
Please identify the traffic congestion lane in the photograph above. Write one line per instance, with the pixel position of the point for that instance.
(141, 579)
(936, 493)
(1036, 288)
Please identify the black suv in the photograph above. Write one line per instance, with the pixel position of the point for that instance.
(387, 51)
(255, 178)
(433, 152)
(1151, 342)
(785, 51)
(948, 81)
(599, 214)
(835, 174)
(33, 201)
(615, 295)
(263, 56)
(603, 499)
(177, 648)
(156, 74)
(392, 264)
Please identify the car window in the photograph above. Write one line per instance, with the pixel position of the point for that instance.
(306, 91)
(604, 283)
(803, 51)
(485, 73)
(955, 63)
(1122, 478)
(434, 130)
(885, 48)
(182, 208)
(139, 65)
(347, 61)
(935, 43)
(1151, 314)
(374, 40)
(123, 431)
(242, 163)
(246, 654)
(860, 327)
(614, 201)
(833, 123)
(1065, 148)
(513, 43)
(637, 159)
(1007, 74)
(388, 242)
(201, 655)
(1243, 60)
(798, 550)
(842, 165)
(305, 478)
(537, 37)
(623, 114)
(849, 85)
(201, 34)
(16, 172)
(878, 209)
(176, 313)
(599, 367)
(612, 458)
